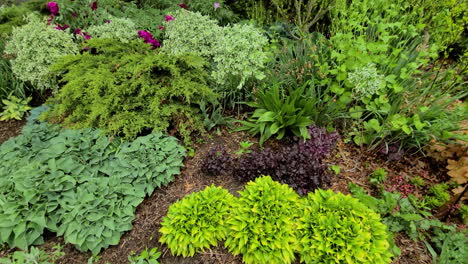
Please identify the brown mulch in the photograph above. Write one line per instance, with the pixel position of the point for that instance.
(10, 129)
(355, 164)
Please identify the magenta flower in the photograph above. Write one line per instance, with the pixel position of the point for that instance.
(78, 31)
(184, 6)
(168, 18)
(161, 27)
(50, 19)
(94, 5)
(108, 21)
(148, 37)
(216, 5)
(59, 27)
(65, 26)
(53, 8)
(86, 36)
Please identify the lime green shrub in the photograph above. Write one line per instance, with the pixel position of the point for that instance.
(79, 184)
(121, 29)
(197, 222)
(336, 228)
(126, 89)
(35, 46)
(262, 225)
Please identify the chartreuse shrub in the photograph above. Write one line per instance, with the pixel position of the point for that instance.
(197, 222)
(262, 225)
(127, 88)
(34, 47)
(337, 228)
(78, 183)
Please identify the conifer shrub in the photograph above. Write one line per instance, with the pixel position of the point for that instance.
(337, 228)
(128, 89)
(197, 222)
(35, 47)
(262, 224)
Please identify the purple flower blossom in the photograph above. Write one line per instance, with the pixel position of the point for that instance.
(184, 6)
(108, 21)
(94, 5)
(148, 37)
(59, 27)
(53, 8)
(78, 31)
(168, 18)
(216, 5)
(86, 36)
(161, 27)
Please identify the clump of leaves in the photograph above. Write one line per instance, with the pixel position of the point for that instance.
(464, 213)
(378, 176)
(277, 113)
(217, 162)
(35, 47)
(146, 257)
(437, 195)
(15, 108)
(79, 184)
(197, 222)
(262, 224)
(244, 147)
(336, 228)
(33, 255)
(121, 29)
(128, 89)
(452, 246)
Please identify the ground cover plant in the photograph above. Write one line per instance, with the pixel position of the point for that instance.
(79, 184)
(104, 102)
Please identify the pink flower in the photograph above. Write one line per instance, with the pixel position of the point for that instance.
(161, 27)
(59, 27)
(78, 31)
(65, 26)
(94, 5)
(86, 36)
(107, 21)
(145, 35)
(50, 19)
(216, 5)
(53, 8)
(168, 18)
(184, 6)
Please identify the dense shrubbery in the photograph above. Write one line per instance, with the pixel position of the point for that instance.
(269, 223)
(34, 47)
(126, 89)
(298, 164)
(79, 184)
(336, 228)
(120, 29)
(197, 222)
(262, 225)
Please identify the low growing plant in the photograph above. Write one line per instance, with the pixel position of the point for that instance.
(378, 176)
(146, 257)
(15, 108)
(33, 255)
(197, 222)
(79, 184)
(437, 195)
(262, 223)
(337, 228)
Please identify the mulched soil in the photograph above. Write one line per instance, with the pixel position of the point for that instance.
(355, 163)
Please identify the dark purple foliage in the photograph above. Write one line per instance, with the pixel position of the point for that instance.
(217, 162)
(391, 152)
(298, 164)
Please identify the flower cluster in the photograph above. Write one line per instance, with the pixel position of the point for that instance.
(401, 185)
(148, 37)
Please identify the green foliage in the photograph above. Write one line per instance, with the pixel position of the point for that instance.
(262, 224)
(15, 108)
(197, 222)
(121, 29)
(337, 228)
(146, 257)
(245, 145)
(452, 246)
(418, 181)
(35, 46)
(378, 176)
(79, 184)
(11, 17)
(278, 112)
(9, 83)
(32, 256)
(464, 213)
(126, 89)
(236, 52)
(437, 195)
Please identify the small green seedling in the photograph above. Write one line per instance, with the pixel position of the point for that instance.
(335, 168)
(146, 257)
(245, 145)
(378, 176)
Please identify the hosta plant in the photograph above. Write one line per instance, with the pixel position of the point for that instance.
(337, 228)
(263, 223)
(197, 222)
(15, 108)
(79, 184)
